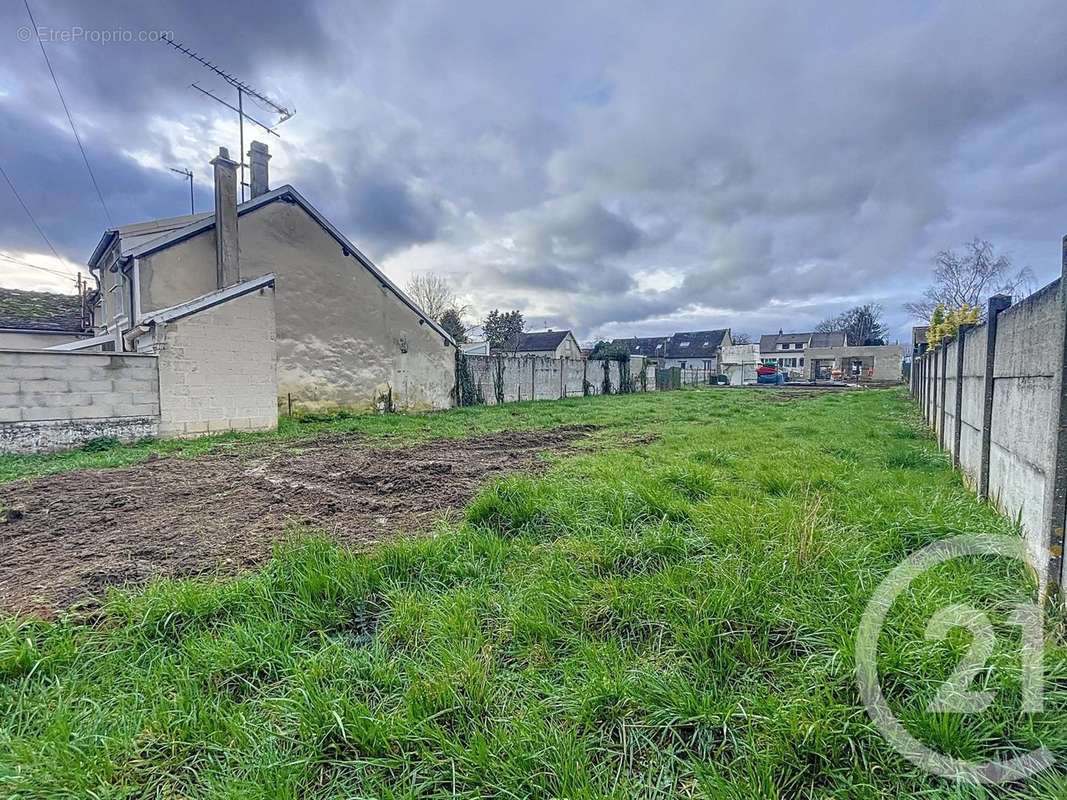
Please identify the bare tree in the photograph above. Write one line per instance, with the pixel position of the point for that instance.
(740, 338)
(433, 294)
(862, 324)
(969, 277)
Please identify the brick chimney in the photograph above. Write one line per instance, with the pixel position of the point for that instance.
(258, 156)
(227, 266)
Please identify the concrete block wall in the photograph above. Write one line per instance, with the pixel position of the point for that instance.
(1013, 458)
(218, 368)
(51, 400)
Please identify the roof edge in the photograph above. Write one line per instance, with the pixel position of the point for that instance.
(287, 192)
(207, 301)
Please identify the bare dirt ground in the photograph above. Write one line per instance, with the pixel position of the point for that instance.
(69, 536)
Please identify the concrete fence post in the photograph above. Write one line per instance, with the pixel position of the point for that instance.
(922, 369)
(997, 303)
(922, 381)
(922, 386)
(942, 436)
(1056, 499)
(961, 338)
(930, 388)
(931, 406)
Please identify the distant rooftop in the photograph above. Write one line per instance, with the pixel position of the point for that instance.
(542, 341)
(40, 311)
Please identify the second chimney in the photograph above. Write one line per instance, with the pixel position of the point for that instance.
(258, 156)
(227, 266)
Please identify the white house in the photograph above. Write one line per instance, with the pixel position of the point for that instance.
(787, 350)
(552, 344)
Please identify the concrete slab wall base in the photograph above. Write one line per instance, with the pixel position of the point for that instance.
(63, 434)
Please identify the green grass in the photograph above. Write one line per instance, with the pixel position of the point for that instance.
(671, 619)
(634, 411)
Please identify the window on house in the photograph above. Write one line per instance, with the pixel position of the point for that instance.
(783, 346)
(683, 365)
(798, 346)
(709, 365)
(801, 362)
(684, 344)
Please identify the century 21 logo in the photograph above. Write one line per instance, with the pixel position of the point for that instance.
(955, 695)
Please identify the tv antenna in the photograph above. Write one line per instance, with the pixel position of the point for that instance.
(242, 90)
(188, 173)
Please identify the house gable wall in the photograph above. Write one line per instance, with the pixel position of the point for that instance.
(343, 338)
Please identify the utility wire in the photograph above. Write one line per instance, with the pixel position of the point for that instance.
(29, 214)
(70, 119)
(34, 266)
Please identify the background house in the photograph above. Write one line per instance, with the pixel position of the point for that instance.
(878, 364)
(696, 350)
(31, 320)
(478, 347)
(651, 347)
(788, 350)
(699, 350)
(551, 344)
(918, 339)
(346, 335)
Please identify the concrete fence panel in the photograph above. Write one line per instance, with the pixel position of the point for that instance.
(995, 399)
(524, 377)
(1022, 449)
(972, 379)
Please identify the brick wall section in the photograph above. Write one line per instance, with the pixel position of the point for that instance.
(218, 368)
(54, 400)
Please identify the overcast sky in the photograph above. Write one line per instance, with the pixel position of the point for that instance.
(618, 168)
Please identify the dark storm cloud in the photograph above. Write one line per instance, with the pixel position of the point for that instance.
(611, 167)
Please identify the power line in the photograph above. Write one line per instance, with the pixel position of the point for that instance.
(29, 214)
(70, 119)
(35, 266)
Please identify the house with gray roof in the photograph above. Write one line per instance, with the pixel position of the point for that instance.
(550, 344)
(33, 320)
(787, 350)
(652, 347)
(699, 350)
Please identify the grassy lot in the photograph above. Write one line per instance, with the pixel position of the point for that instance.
(635, 411)
(669, 619)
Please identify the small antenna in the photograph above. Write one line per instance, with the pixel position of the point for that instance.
(188, 173)
(243, 89)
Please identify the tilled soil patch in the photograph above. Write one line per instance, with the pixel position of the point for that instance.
(69, 536)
